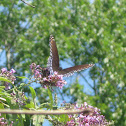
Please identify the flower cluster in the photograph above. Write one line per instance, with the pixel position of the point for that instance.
(3, 122)
(53, 80)
(9, 75)
(43, 76)
(93, 119)
(20, 100)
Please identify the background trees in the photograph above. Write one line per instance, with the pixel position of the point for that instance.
(85, 32)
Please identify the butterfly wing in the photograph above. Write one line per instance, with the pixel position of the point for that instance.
(70, 71)
(54, 57)
(53, 61)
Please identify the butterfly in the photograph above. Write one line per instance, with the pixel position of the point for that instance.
(53, 61)
(45, 71)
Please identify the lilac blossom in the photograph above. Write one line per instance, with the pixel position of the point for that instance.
(43, 76)
(9, 75)
(12, 71)
(3, 122)
(20, 100)
(3, 70)
(53, 80)
(93, 119)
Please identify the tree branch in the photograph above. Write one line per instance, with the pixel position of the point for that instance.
(28, 4)
(45, 112)
(85, 80)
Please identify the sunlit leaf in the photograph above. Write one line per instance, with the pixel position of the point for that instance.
(50, 97)
(32, 92)
(5, 79)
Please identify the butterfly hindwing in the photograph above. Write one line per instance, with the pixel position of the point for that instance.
(69, 71)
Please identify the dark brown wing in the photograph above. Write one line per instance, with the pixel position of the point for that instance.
(53, 62)
(54, 54)
(69, 71)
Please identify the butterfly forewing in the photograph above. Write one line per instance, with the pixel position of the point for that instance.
(69, 71)
(54, 54)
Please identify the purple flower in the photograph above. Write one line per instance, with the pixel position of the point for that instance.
(19, 98)
(90, 106)
(37, 66)
(71, 123)
(85, 104)
(12, 71)
(9, 75)
(55, 73)
(1, 118)
(3, 70)
(3, 122)
(54, 80)
(87, 124)
(42, 75)
(44, 79)
(87, 120)
(33, 66)
(37, 74)
(7, 87)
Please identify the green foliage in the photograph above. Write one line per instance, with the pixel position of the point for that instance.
(30, 105)
(4, 79)
(63, 118)
(38, 120)
(32, 93)
(22, 77)
(50, 98)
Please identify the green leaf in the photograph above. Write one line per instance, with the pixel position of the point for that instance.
(2, 87)
(51, 98)
(8, 100)
(20, 121)
(63, 118)
(3, 99)
(44, 105)
(30, 105)
(27, 121)
(2, 107)
(22, 77)
(38, 119)
(22, 85)
(23, 116)
(5, 79)
(5, 104)
(32, 92)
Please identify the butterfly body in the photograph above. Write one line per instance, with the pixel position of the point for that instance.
(45, 71)
(53, 62)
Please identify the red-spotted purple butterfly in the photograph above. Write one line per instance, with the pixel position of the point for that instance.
(53, 62)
